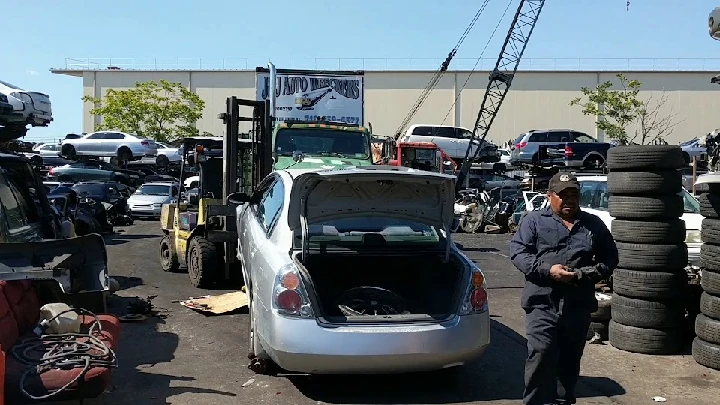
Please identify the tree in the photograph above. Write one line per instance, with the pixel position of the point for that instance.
(161, 111)
(616, 110)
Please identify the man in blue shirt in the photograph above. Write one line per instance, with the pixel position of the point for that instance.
(563, 252)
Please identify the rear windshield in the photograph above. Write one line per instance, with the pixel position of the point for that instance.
(519, 139)
(322, 142)
(391, 230)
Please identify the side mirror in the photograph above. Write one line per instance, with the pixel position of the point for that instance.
(238, 198)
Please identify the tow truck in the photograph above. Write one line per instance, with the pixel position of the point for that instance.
(424, 156)
(320, 143)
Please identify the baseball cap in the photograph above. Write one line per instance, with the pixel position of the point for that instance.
(562, 181)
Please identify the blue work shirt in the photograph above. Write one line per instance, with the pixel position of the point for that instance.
(542, 240)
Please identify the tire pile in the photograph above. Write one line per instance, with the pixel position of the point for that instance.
(706, 346)
(648, 306)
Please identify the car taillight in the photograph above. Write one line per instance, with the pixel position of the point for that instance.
(290, 297)
(568, 151)
(51, 171)
(476, 298)
(520, 145)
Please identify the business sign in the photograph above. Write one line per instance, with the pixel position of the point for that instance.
(307, 96)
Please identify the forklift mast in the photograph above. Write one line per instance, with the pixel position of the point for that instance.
(249, 165)
(246, 162)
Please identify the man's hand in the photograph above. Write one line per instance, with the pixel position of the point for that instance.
(560, 273)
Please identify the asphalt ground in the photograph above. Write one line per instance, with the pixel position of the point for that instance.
(184, 357)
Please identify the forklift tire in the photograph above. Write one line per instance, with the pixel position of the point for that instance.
(168, 260)
(202, 262)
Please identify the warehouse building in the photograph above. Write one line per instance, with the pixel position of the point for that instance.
(539, 96)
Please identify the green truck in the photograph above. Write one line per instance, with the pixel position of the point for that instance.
(330, 145)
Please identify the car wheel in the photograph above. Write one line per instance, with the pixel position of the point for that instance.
(162, 161)
(124, 154)
(202, 262)
(68, 152)
(168, 261)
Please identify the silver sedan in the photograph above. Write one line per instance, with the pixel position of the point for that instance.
(353, 271)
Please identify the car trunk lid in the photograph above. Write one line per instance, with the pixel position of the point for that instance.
(390, 191)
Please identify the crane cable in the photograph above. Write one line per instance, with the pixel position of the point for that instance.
(439, 74)
(477, 62)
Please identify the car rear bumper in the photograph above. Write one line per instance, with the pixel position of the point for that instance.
(302, 345)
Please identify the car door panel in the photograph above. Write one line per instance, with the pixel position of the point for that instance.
(263, 254)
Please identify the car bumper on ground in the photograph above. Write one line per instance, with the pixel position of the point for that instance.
(301, 345)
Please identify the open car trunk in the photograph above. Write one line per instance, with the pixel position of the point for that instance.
(373, 288)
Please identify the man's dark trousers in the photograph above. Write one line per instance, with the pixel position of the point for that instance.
(556, 340)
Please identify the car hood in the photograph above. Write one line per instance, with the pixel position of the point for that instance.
(147, 199)
(319, 162)
(375, 190)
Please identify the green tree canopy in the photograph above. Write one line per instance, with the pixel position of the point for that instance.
(162, 111)
(617, 109)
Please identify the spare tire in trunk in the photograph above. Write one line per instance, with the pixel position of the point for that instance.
(380, 287)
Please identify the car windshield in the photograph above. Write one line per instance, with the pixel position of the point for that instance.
(353, 230)
(322, 142)
(90, 189)
(153, 189)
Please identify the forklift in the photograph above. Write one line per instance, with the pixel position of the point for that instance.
(200, 230)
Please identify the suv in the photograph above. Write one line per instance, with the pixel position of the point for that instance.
(25, 213)
(527, 146)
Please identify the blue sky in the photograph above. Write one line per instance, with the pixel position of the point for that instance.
(285, 31)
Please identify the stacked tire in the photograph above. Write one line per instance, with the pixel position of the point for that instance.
(706, 346)
(648, 306)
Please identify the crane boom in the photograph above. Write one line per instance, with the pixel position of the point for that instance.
(502, 76)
